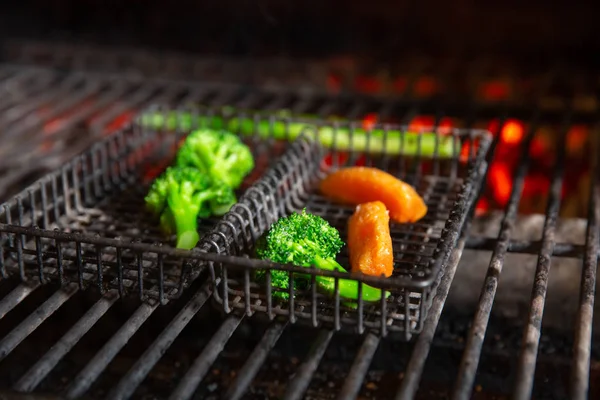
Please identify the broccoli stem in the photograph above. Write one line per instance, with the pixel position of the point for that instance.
(394, 143)
(186, 229)
(348, 288)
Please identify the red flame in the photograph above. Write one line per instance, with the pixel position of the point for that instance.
(576, 138)
(367, 84)
(482, 206)
(425, 86)
(334, 83)
(427, 121)
(369, 121)
(501, 182)
(539, 147)
(536, 184)
(495, 90)
(52, 126)
(512, 132)
(119, 121)
(465, 152)
(420, 122)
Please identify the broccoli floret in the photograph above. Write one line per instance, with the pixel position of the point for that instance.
(220, 154)
(183, 194)
(299, 238)
(306, 239)
(280, 280)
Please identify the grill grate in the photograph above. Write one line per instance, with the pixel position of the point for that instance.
(30, 348)
(76, 225)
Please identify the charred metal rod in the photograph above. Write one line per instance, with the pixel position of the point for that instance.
(414, 370)
(16, 296)
(207, 357)
(88, 375)
(359, 369)
(567, 250)
(35, 319)
(127, 385)
(410, 382)
(296, 388)
(532, 332)
(580, 370)
(38, 372)
(470, 359)
(255, 361)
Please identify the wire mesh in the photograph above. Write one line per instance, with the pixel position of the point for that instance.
(447, 184)
(86, 223)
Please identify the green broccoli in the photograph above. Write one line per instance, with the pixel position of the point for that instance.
(220, 154)
(180, 196)
(306, 239)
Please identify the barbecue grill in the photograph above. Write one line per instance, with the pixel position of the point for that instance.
(527, 250)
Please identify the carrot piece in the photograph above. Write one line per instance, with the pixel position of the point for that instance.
(356, 185)
(369, 240)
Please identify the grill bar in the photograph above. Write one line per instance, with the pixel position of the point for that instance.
(359, 368)
(38, 372)
(410, 381)
(127, 385)
(472, 353)
(296, 388)
(30, 324)
(566, 250)
(89, 374)
(37, 95)
(580, 372)
(15, 297)
(189, 383)
(255, 361)
(527, 360)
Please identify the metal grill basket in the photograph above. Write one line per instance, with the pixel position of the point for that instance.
(86, 222)
(448, 183)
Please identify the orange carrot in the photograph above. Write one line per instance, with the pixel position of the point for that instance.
(356, 185)
(369, 240)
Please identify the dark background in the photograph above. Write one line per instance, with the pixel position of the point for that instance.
(534, 31)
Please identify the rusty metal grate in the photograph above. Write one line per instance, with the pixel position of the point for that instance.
(22, 86)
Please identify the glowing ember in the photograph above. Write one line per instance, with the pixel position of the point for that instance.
(512, 132)
(334, 83)
(53, 126)
(465, 152)
(366, 84)
(428, 121)
(425, 86)
(421, 122)
(119, 121)
(500, 181)
(495, 90)
(369, 121)
(576, 138)
(539, 147)
(483, 205)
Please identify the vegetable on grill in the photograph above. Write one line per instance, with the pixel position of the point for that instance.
(180, 196)
(306, 239)
(369, 240)
(392, 142)
(219, 154)
(355, 185)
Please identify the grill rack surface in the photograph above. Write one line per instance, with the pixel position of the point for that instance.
(582, 383)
